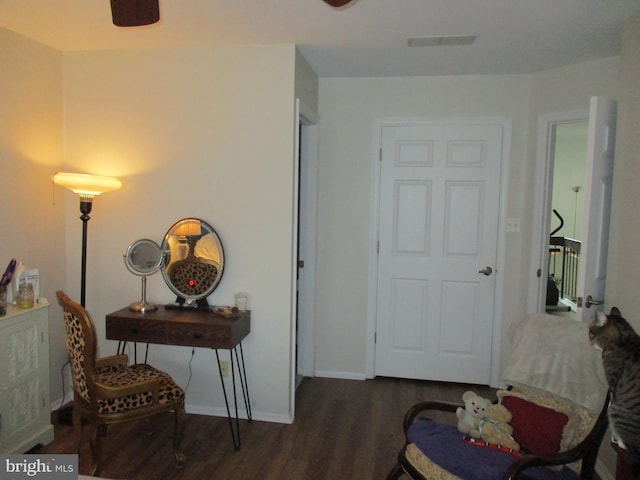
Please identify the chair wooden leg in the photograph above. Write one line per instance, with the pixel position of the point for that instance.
(95, 444)
(180, 415)
(95, 447)
(76, 421)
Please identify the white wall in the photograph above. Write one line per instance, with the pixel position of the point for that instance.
(349, 109)
(206, 133)
(190, 132)
(31, 219)
(623, 268)
(306, 88)
(566, 89)
(623, 273)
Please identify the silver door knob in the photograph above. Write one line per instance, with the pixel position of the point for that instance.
(590, 301)
(486, 270)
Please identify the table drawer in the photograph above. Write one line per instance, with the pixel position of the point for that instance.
(137, 330)
(200, 335)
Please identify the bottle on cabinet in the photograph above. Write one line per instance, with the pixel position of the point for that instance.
(25, 297)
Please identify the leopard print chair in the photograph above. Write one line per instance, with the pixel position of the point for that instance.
(108, 390)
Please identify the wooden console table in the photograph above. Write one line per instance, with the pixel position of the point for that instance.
(191, 328)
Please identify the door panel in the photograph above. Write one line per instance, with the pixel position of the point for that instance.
(438, 225)
(599, 167)
(411, 217)
(460, 304)
(463, 226)
(408, 301)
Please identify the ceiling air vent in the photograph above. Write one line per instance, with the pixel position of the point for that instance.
(441, 40)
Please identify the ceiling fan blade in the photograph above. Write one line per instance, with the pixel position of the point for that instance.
(338, 3)
(134, 13)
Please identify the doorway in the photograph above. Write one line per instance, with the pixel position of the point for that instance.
(304, 254)
(568, 156)
(598, 177)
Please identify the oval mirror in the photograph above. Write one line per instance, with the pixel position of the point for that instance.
(193, 262)
(143, 258)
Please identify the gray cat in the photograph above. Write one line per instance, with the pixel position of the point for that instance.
(620, 347)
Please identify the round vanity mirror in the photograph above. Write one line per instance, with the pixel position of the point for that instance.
(193, 262)
(143, 258)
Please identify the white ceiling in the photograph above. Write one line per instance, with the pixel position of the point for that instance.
(366, 38)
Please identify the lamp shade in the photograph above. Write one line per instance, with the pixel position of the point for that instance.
(188, 228)
(85, 185)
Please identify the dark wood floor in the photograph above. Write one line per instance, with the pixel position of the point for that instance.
(344, 429)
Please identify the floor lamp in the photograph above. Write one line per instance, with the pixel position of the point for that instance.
(87, 187)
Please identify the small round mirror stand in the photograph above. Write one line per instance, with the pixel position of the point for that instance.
(143, 258)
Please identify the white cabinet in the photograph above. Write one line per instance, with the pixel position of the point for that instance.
(24, 379)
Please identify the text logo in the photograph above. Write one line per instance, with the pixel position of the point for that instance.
(51, 467)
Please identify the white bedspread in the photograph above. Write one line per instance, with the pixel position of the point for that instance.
(554, 354)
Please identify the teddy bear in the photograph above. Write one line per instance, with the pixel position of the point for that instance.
(495, 428)
(486, 421)
(474, 410)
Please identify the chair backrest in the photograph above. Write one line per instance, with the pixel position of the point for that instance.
(81, 346)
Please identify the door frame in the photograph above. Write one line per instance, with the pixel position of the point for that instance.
(305, 199)
(308, 166)
(542, 213)
(374, 215)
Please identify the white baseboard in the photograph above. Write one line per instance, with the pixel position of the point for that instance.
(222, 412)
(340, 375)
(60, 402)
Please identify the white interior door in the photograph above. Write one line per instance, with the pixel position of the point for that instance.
(593, 256)
(438, 228)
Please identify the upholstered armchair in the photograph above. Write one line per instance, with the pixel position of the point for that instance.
(555, 390)
(108, 390)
